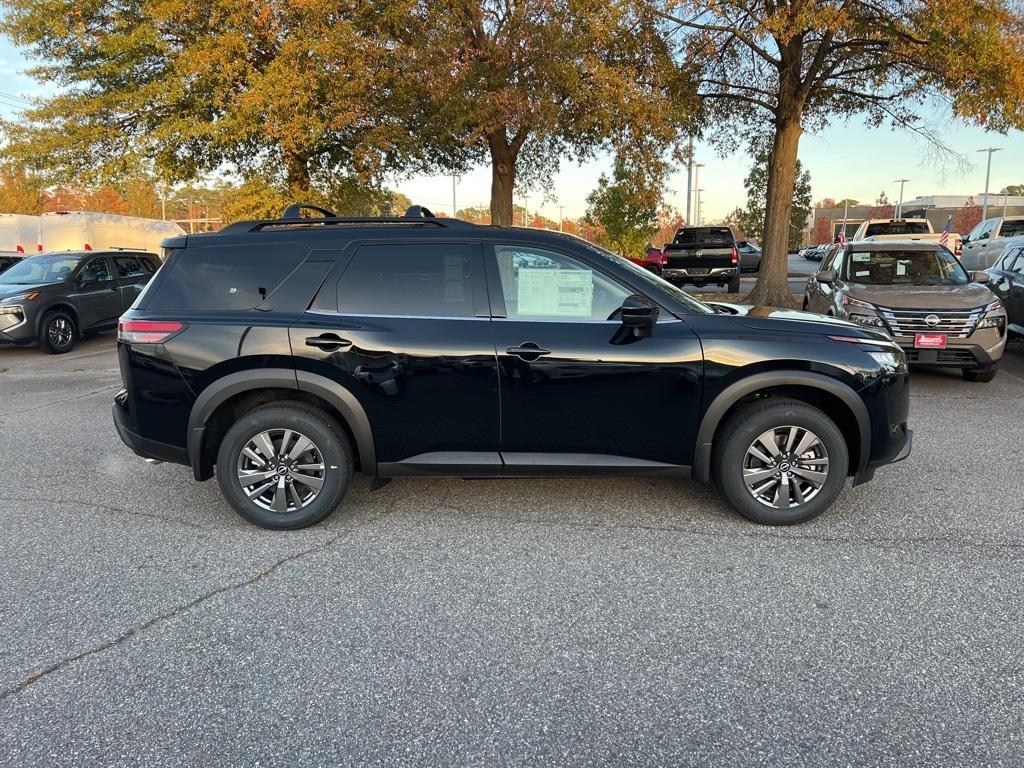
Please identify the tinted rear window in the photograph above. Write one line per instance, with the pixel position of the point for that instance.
(410, 279)
(898, 228)
(231, 277)
(709, 236)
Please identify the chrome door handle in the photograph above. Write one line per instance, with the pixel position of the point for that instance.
(527, 351)
(329, 342)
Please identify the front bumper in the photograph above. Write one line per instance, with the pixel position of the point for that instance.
(15, 327)
(981, 349)
(868, 472)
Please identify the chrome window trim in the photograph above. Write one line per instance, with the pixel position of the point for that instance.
(328, 313)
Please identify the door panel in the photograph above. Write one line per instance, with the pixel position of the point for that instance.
(406, 341)
(591, 387)
(99, 303)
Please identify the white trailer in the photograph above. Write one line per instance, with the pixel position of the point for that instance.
(82, 230)
(19, 233)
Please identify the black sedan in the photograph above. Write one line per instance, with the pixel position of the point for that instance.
(1006, 279)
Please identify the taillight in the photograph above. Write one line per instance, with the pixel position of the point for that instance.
(148, 331)
(88, 247)
(735, 256)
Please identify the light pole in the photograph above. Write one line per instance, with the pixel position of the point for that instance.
(689, 181)
(455, 211)
(899, 208)
(696, 184)
(560, 218)
(700, 204)
(988, 173)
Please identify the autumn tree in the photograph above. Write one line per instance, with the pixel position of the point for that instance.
(823, 232)
(20, 192)
(882, 209)
(774, 70)
(1013, 189)
(280, 89)
(752, 218)
(525, 85)
(968, 217)
(625, 204)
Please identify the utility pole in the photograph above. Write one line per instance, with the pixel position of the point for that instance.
(988, 173)
(689, 181)
(526, 210)
(700, 210)
(696, 184)
(899, 208)
(455, 211)
(560, 217)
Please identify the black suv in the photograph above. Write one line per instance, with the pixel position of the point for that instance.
(288, 353)
(55, 298)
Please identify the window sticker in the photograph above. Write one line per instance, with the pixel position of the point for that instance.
(862, 257)
(864, 273)
(901, 268)
(454, 284)
(555, 292)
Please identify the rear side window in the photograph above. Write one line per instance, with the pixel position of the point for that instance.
(409, 279)
(1012, 228)
(130, 266)
(228, 278)
(709, 236)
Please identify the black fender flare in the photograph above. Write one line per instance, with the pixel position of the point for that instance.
(233, 384)
(60, 304)
(734, 392)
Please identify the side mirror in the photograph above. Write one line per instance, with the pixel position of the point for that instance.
(638, 315)
(983, 236)
(826, 277)
(980, 277)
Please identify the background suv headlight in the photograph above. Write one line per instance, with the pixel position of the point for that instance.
(862, 312)
(994, 317)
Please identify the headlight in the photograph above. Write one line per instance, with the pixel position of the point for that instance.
(872, 320)
(995, 306)
(858, 304)
(894, 361)
(10, 310)
(994, 316)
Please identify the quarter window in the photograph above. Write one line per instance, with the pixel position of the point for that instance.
(409, 279)
(130, 266)
(539, 284)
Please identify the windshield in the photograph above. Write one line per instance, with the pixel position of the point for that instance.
(938, 267)
(898, 228)
(695, 306)
(709, 236)
(40, 269)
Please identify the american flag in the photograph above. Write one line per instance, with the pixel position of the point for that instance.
(842, 235)
(944, 237)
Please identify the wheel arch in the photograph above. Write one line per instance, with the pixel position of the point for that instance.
(62, 305)
(813, 388)
(222, 402)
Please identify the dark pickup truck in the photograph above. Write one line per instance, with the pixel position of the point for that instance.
(703, 255)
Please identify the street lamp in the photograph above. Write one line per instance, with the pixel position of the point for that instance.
(988, 173)
(696, 184)
(899, 208)
(700, 205)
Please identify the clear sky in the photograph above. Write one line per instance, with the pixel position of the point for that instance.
(847, 159)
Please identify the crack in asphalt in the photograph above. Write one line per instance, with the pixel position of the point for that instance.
(127, 635)
(105, 508)
(61, 401)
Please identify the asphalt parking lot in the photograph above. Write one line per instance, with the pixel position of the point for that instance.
(540, 622)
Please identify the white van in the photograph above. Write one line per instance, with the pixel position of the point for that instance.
(82, 230)
(19, 233)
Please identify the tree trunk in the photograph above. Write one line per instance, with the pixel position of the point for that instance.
(772, 287)
(503, 180)
(297, 173)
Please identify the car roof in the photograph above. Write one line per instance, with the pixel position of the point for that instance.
(892, 245)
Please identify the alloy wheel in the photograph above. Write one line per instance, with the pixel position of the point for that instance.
(281, 470)
(785, 467)
(59, 332)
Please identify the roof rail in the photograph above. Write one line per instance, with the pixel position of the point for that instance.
(415, 215)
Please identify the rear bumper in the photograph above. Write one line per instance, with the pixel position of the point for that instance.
(699, 274)
(141, 446)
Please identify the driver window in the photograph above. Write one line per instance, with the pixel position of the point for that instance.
(544, 285)
(97, 268)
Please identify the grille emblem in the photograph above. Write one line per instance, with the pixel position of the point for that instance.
(932, 320)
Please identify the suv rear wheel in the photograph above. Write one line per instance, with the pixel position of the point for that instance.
(780, 462)
(284, 466)
(58, 333)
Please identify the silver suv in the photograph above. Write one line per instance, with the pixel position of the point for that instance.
(921, 296)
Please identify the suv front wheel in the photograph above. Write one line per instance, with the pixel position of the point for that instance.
(284, 466)
(780, 462)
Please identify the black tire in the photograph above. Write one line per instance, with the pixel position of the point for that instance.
(739, 433)
(328, 438)
(734, 285)
(58, 333)
(979, 375)
(806, 304)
